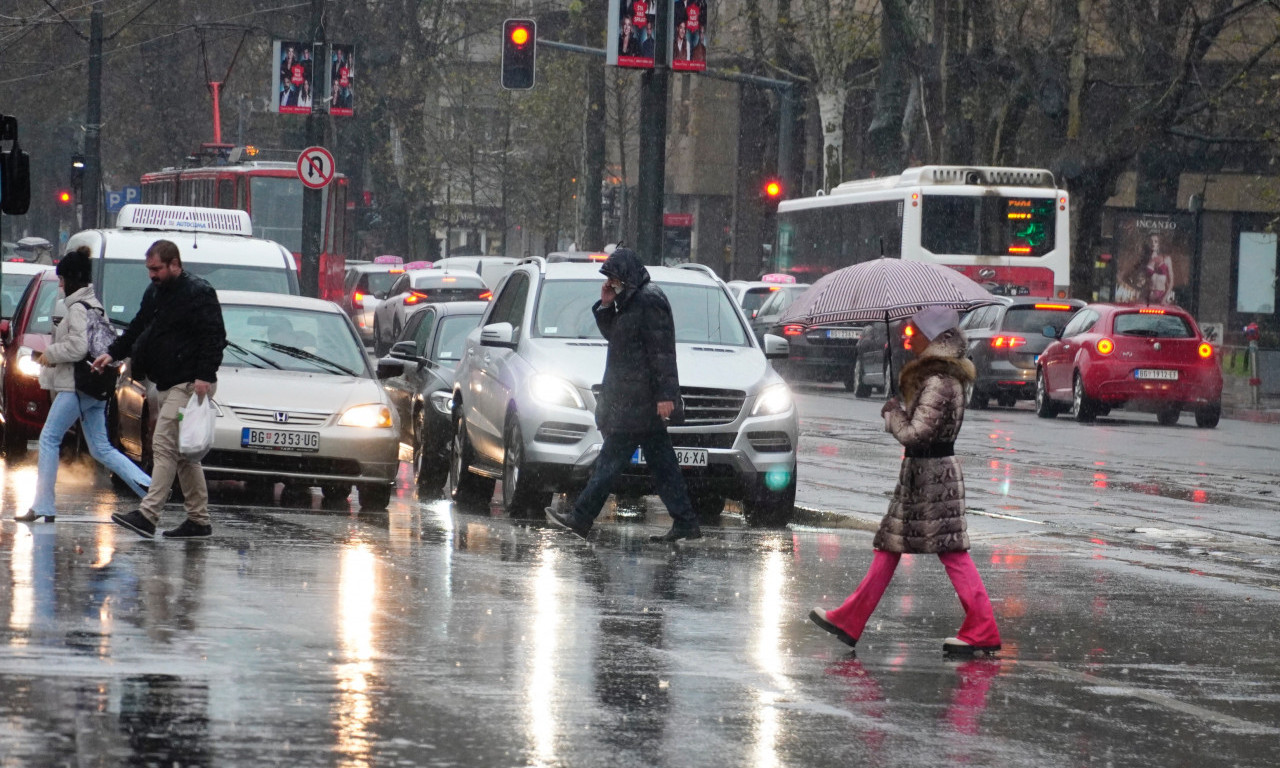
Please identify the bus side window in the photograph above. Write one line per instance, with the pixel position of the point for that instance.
(226, 194)
(242, 193)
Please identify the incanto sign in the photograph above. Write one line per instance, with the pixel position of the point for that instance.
(315, 167)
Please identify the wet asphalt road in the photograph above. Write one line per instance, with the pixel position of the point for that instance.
(1139, 619)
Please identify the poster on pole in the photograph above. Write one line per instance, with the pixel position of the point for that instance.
(689, 39)
(632, 36)
(1153, 254)
(342, 74)
(291, 77)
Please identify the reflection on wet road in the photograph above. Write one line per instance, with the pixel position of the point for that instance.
(429, 635)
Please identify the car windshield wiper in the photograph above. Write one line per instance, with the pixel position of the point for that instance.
(246, 353)
(303, 354)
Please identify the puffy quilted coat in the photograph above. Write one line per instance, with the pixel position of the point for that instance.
(926, 514)
(70, 342)
(640, 370)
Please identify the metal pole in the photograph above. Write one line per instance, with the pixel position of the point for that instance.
(653, 144)
(313, 199)
(92, 183)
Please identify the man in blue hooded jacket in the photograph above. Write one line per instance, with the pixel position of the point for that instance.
(638, 398)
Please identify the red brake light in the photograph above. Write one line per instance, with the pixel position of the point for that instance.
(395, 271)
(792, 330)
(486, 296)
(413, 298)
(1105, 346)
(1008, 342)
(1206, 350)
(908, 331)
(1063, 307)
(358, 297)
(1019, 250)
(1151, 311)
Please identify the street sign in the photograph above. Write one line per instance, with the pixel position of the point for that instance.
(315, 167)
(119, 198)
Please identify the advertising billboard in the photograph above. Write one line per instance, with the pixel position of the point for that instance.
(632, 37)
(1153, 254)
(291, 77)
(342, 74)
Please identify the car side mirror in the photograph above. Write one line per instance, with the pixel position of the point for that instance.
(389, 368)
(776, 347)
(498, 335)
(404, 350)
(1051, 332)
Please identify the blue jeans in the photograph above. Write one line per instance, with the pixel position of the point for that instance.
(67, 408)
(615, 456)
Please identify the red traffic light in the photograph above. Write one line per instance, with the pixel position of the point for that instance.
(519, 52)
(519, 35)
(64, 197)
(773, 189)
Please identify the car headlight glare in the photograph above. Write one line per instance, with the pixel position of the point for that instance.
(442, 402)
(553, 390)
(370, 416)
(776, 399)
(26, 362)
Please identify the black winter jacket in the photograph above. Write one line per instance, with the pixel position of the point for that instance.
(177, 336)
(640, 371)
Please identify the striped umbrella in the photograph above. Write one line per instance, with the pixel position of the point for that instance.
(886, 290)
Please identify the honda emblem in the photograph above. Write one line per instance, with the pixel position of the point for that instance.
(281, 417)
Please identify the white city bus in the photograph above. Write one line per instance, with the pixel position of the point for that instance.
(1007, 228)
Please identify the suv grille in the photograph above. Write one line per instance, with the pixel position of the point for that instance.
(704, 407)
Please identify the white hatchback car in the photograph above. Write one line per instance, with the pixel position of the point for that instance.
(298, 402)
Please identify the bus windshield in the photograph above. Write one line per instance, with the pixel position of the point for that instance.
(277, 210)
(987, 226)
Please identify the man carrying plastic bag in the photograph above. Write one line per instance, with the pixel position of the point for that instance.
(176, 341)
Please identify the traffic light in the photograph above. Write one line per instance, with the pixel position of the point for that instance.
(519, 49)
(772, 193)
(77, 171)
(65, 197)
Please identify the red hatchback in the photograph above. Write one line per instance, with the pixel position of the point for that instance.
(25, 405)
(1109, 356)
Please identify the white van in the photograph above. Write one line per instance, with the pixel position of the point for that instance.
(490, 268)
(214, 243)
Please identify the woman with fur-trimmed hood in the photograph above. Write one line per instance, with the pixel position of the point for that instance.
(926, 515)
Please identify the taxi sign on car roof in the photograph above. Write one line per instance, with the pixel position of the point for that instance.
(778, 277)
(216, 221)
(419, 265)
(387, 259)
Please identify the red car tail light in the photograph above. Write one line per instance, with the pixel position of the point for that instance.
(907, 332)
(359, 297)
(486, 296)
(1105, 346)
(792, 330)
(1206, 351)
(413, 298)
(1008, 342)
(1061, 307)
(1151, 311)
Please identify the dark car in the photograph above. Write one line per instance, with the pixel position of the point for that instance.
(1149, 358)
(871, 370)
(430, 346)
(25, 405)
(1005, 340)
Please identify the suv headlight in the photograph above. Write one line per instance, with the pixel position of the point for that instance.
(442, 401)
(370, 416)
(26, 362)
(773, 400)
(553, 390)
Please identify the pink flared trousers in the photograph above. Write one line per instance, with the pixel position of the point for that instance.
(979, 626)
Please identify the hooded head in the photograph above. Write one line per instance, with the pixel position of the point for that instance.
(933, 321)
(626, 267)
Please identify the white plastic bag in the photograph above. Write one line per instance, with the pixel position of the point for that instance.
(195, 428)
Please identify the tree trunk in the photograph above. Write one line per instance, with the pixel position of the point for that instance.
(831, 103)
(896, 50)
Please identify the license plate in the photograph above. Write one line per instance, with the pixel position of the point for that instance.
(844, 333)
(687, 457)
(1152, 373)
(279, 439)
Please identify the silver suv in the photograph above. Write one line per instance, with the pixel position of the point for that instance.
(524, 399)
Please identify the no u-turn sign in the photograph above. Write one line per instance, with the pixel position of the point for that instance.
(315, 167)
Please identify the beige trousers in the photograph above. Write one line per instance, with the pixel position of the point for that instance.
(169, 463)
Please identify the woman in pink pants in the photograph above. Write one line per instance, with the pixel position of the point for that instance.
(927, 511)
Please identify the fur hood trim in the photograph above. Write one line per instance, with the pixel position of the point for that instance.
(939, 359)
